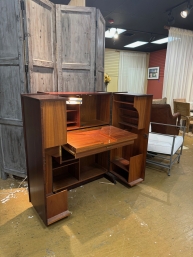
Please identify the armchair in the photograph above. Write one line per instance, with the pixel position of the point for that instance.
(161, 113)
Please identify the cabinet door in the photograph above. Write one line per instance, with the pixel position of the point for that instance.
(40, 31)
(100, 48)
(12, 84)
(75, 28)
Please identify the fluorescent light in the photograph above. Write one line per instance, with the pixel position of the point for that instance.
(74, 100)
(111, 32)
(161, 41)
(136, 44)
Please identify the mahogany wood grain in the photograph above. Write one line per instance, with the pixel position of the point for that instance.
(57, 207)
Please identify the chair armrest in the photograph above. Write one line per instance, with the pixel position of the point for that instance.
(169, 125)
(177, 116)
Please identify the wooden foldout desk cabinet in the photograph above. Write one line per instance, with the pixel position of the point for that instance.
(70, 144)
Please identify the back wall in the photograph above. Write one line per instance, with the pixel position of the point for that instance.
(155, 86)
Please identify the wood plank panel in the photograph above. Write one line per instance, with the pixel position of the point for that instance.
(10, 90)
(75, 47)
(41, 43)
(12, 84)
(100, 52)
(13, 150)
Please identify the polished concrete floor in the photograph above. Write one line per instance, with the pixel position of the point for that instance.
(152, 219)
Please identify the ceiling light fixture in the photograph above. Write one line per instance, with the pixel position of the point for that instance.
(161, 41)
(136, 44)
(186, 12)
(110, 33)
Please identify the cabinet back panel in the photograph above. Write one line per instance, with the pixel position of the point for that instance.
(88, 108)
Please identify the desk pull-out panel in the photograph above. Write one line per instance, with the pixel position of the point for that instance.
(84, 143)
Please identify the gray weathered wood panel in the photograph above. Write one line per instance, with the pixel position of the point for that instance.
(41, 42)
(100, 52)
(13, 155)
(12, 84)
(75, 47)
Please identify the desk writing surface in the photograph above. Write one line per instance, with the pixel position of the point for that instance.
(82, 143)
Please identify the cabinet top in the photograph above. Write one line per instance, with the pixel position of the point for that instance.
(42, 97)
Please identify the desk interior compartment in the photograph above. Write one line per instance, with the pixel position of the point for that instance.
(65, 175)
(94, 166)
(95, 110)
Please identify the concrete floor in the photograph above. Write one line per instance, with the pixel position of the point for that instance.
(152, 219)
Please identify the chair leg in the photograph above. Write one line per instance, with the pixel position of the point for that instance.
(169, 172)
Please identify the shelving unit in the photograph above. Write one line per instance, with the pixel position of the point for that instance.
(68, 145)
(131, 112)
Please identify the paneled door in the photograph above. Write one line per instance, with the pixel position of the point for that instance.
(12, 84)
(76, 28)
(100, 52)
(41, 45)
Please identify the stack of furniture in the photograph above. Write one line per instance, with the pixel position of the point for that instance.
(71, 144)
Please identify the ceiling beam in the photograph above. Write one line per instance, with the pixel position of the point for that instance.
(77, 2)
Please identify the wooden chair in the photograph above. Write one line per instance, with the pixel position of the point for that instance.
(184, 109)
(178, 100)
(161, 113)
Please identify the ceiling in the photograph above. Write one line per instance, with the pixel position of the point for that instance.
(143, 20)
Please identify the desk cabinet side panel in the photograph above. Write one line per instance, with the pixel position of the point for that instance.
(54, 123)
(34, 154)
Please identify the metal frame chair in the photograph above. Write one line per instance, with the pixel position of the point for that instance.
(174, 142)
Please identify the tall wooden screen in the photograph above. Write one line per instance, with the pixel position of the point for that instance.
(40, 30)
(75, 28)
(12, 84)
(100, 48)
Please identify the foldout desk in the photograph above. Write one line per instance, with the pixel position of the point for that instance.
(68, 145)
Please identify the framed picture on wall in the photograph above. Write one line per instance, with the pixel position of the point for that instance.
(153, 73)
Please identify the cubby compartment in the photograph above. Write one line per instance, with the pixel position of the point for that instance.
(124, 98)
(73, 117)
(65, 156)
(93, 166)
(126, 166)
(124, 114)
(65, 175)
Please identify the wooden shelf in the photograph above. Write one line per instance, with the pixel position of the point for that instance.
(91, 172)
(63, 163)
(121, 102)
(71, 122)
(62, 182)
(93, 123)
(131, 118)
(71, 110)
(72, 127)
(129, 111)
(119, 176)
(122, 163)
(128, 124)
